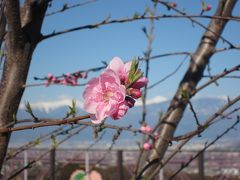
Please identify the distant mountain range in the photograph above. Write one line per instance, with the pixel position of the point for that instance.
(204, 107)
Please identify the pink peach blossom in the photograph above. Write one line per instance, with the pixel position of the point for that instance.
(121, 110)
(104, 96)
(121, 69)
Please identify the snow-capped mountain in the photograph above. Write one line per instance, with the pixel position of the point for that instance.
(204, 107)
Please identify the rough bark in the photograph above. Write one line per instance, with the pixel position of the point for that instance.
(189, 82)
(24, 32)
(2, 22)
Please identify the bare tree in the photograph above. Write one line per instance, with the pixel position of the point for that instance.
(187, 86)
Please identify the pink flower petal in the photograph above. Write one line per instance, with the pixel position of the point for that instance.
(116, 65)
(121, 111)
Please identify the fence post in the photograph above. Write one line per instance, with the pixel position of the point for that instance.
(161, 177)
(120, 164)
(87, 168)
(25, 164)
(201, 166)
(52, 163)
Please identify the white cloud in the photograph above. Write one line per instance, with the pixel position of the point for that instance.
(155, 100)
(48, 106)
(221, 97)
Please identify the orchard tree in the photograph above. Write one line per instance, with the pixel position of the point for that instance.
(120, 83)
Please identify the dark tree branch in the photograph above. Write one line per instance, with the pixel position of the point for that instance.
(106, 21)
(44, 123)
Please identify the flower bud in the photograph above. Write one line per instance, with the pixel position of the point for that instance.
(156, 136)
(140, 83)
(148, 129)
(50, 76)
(69, 75)
(135, 93)
(147, 146)
(173, 4)
(84, 75)
(209, 7)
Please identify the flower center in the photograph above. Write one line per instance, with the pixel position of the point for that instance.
(107, 96)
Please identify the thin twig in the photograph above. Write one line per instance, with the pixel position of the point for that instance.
(178, 148)
(115, 138)
(75, 120)
(227, 77)
(40, 139)
(68, 7)
(204, 126)
(166, 77)
(106, 21)
(140, 59)
(194, 21)
(47, 123)
(205, 148)
(29, 165)
(150, 38)
(194, 113)
(215, 78)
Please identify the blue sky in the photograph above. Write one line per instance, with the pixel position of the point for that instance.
(87, 48)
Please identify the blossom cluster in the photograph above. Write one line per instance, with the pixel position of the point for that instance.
(67, 79)
(114, 91)
(146, 129)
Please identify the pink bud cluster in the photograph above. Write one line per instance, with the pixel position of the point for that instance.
(207, 8)
(173, 4)
(146, 129)
(67, 79)
(111, 94)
